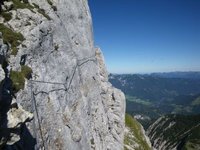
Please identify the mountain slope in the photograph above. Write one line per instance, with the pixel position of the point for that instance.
(175, 132)
(183, 75)
(135, 138)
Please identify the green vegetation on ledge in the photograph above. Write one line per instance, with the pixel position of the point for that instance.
(17, 4)
(7, 16)
(18, 78)
(26, 71)
(9, 36)
(24, 4)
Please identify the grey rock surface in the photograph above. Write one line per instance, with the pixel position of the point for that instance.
(11, 126)
(74, 105)
(2, 74)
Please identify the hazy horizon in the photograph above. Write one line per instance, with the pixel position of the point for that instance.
(157, 72)
(182, 71)
(148, 36)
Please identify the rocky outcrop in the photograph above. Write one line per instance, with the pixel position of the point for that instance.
(60, 76)
(12, 126)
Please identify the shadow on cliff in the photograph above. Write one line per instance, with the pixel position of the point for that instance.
(26, 142)
(5, 102)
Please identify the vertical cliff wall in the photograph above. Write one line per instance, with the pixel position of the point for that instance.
(60, 76)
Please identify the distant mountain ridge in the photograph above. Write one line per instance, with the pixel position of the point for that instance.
(173, 74)
(183, 75)
(151, 96)
(153, 87)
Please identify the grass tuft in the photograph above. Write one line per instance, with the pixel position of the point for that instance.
(26, 71)
(18, 78)
(7, 16)
(50, 2)
(9, 36)
(17, 4)
(42, 11)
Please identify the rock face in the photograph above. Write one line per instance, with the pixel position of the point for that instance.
(60, 76)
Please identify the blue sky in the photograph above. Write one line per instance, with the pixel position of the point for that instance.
(142, 36)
